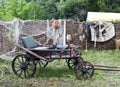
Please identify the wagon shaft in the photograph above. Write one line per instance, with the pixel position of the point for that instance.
(107, 68)
(34, 54)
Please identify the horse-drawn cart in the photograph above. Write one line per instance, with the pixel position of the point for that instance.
(24, 65)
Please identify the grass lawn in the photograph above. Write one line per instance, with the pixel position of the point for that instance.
(57, 74)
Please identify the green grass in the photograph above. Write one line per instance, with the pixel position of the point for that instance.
(57, 74)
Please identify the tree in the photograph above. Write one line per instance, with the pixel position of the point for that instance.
(103, 5)
(74, 9)
(48, 9)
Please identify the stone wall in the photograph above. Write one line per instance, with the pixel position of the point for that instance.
(6, 42)
(73, 27)
(76, 34)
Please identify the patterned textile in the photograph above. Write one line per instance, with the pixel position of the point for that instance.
(102, 31)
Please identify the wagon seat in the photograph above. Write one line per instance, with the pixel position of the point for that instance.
(30, 43)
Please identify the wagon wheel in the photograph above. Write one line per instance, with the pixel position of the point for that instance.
(23, 66)
(72, 62)
(84, 70)
(42, 63)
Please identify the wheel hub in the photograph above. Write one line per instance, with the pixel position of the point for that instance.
(75, 62)
(23, 66)
(84, 70)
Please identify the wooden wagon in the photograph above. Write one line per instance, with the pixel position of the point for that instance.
(24, 65)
